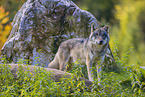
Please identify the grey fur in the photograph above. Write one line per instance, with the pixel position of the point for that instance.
(89, 50)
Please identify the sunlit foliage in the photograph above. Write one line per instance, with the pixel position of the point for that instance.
(12, 6)
(128, 33)
(4, 27)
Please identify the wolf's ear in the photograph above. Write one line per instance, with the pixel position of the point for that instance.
(106, 28)
(92, 27)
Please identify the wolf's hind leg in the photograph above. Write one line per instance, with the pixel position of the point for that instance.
(63, 61)
(54, 63)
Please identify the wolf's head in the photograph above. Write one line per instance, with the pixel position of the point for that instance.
(100, 35)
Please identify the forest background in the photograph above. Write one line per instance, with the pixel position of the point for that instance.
(126, 19)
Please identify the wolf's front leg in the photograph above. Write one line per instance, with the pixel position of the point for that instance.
(89, 68)
(99, 67)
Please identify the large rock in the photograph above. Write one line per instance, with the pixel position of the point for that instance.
(41, 25)
(56, 75)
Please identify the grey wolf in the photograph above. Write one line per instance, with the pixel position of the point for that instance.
(90, 50)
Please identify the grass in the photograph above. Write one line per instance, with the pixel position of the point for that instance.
(130, 82)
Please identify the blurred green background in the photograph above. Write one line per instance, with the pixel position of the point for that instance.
(126, 19)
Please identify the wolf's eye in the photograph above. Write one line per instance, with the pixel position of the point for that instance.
(97, 34)
(103, 35)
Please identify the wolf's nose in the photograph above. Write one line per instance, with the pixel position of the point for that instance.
(101, 42)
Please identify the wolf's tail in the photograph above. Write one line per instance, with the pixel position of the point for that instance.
(54, 63)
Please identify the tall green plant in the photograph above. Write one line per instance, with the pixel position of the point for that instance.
(128, 32)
